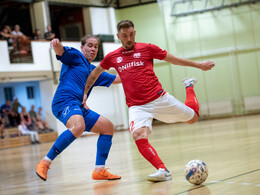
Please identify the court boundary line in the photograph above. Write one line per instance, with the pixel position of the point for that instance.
(222, 180)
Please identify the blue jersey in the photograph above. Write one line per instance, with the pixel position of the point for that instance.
(74, 73)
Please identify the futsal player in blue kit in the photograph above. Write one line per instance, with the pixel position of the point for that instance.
(68, 108)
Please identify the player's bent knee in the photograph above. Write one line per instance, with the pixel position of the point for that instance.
(77, 129)
(140, 133)
(103, 126)
(109, 130)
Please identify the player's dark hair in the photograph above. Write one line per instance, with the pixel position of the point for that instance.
(86, 37)
(124, 24)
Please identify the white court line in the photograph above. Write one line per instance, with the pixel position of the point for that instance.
(230, 182)
(214, 181)
(246, 184)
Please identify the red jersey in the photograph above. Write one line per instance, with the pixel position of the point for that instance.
(135, 68)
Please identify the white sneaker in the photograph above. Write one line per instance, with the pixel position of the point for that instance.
(160, 175)
(189, 82)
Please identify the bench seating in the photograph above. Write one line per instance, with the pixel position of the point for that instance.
(48, 137)
(15, 141)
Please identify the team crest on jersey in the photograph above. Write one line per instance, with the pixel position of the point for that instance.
(119, 59)
(137, 55)
(66, 111)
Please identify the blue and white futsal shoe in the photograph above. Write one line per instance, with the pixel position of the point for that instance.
(189, 82)
(160, 175)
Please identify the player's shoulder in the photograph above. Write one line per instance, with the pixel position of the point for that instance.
(143, 45)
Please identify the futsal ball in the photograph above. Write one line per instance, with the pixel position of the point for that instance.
(196, 172)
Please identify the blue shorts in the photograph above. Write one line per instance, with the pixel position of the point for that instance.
(90, 117)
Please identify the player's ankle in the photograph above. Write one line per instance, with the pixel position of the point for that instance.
(46, 162)
(98, 169)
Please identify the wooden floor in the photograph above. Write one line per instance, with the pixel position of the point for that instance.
(230, 148)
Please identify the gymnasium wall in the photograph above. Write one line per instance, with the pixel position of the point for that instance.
(20, 92)
(230, 37)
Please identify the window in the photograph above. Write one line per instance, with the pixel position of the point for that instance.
(9, 93)
(30, 92)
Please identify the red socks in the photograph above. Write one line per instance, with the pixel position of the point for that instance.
(149, 153)
(191, 100)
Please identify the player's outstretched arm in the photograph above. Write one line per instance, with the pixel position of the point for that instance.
(91, 80)
(57, 46)
(206, 65)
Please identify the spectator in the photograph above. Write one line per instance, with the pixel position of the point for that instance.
(7, 113)
(17, 33)
(49, 35)
(35, 121)
(39, 118)
(23, 130)
(25, 116)
(21, 42)
(6, 34)
(2, 126)
(37, 35)
(15, 107)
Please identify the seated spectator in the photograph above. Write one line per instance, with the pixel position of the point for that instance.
(35, 120)
(25, 117)
(39, 118)
(6, 34)
(7, 113)
(21, 43)
(2, 126)
(23, 130)
(15, 107)
(49, 35)
(37, 35)
(17, 33)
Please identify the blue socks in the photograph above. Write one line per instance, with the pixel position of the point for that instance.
(66, 138)
(63, 141)
(103, 146)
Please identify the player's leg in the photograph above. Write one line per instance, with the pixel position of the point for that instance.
(75, 123)
(140, 136)
(140, 127)
(99, 124)
(191, 99)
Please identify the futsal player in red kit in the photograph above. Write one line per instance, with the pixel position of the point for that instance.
(145, 96)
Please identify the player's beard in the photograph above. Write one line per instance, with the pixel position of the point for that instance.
(129, 45)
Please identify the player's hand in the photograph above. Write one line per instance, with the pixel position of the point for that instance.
(207, 65)
(86, 107)
(54, 42)
(85, 97)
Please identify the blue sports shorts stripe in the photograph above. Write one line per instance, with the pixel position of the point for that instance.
(90, 117)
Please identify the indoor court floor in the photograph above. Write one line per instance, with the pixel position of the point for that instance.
(230, 148)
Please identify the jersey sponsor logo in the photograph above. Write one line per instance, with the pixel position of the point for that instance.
(129, 65)
(137, 55)
(119, 59)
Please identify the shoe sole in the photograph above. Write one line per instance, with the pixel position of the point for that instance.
(41, 177)
(159, 179)
(107, 179)
(115, 179)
